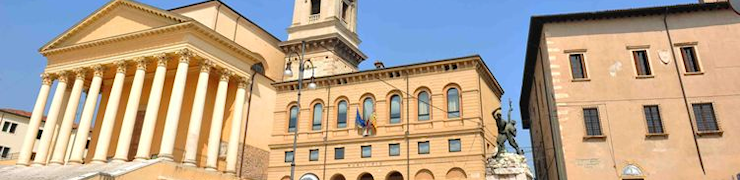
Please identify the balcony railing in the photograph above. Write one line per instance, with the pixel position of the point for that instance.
(314, 17)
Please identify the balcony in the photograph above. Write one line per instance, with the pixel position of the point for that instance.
(314, 18)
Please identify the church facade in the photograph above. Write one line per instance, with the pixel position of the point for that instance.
(204, 88)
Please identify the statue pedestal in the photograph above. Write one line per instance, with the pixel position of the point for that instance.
(508, 166)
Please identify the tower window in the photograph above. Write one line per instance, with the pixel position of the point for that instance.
(345, 10)
(315, 7)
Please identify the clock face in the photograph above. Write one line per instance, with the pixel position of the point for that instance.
(309, 177)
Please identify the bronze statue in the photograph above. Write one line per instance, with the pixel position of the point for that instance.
(506, 131)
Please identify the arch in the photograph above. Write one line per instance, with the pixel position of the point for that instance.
(453, 100)
(395, 107)
(285, 178)
(337, 177)
(394, 175)
(424, 174)
(456, 173)
(365, 176)
(342, 119)
(292, 118)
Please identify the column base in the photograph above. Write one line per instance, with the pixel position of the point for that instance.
(54, 163)
(189, 163)
(208, 168)
(98, 161)
(119, 160)
(74, 162)
(233, 173)
(166, 157)
(37, 164)
(141, 159)
(21, 164)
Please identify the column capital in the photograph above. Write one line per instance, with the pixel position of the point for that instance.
(226, 74)
(62, 76)
(80, 73)
(242, 82)
(46, 79)
(120, 66)
(185, 55)
(98, 70)
(206, 66)
(140, 63)
(161, 59)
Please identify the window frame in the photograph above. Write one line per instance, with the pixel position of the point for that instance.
(390, 108)
(586, 123)
(311, 154)
(713, 107)
(362, 151)
(697, 60)
(428, 106)
(320, 121)
(584, 66)
(290, 117)
(335, 153)
(447, 101)
(660, 120)
(313, 8)
(428, 147)
(4, 152)
(648, 66)
(5, 126)
(449, 145)
(390, 149)
(13, 128)
(362, 106)
(285, 157)
(346, 113)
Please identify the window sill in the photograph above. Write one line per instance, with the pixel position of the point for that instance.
(693, 73)
(580, 80)
(595, 137)
(703, 133)
(644, 76)
(656, 135)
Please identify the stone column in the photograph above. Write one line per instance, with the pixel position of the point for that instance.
(236, 123)
(129, 116)
(196, 115)
(51, 120)
(214, 135)
(60, 148)
(83, 130)
(152, 109)
(109, 118)
(175, 105)
(38, 112)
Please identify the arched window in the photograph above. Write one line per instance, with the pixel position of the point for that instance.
(342, 114)
(423, 106)
(315, 7)
(293, 119)
(453, 103)
(395, 109)
(317, 112)
(368, 106)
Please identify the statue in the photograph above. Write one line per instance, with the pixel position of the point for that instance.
(506, 131)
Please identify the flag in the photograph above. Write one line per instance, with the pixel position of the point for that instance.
(359, 121)
(373, 121)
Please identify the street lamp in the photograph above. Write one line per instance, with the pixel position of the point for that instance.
(312, 85)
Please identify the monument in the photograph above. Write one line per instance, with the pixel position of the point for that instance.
(505, 165)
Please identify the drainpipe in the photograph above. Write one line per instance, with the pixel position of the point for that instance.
(249, 109)
(408, 127)
(683, 89)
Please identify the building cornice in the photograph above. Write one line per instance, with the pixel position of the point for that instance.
(332, 42)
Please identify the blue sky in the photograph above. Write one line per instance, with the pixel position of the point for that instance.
(395, 32)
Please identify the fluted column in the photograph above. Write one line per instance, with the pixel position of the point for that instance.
(175, 105)
(60, 148)
(51, 120)
(129, 116)
(109, 118)
(38, 112)
(152, 109)
(196, 114)
(83, 130)
(214, 135)
(236, 123)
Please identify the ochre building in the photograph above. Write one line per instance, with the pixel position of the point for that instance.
(199, 92)
(645, 93)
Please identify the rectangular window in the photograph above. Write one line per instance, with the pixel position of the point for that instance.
(13, 126)
(690, 62)
(288, 156)
(367, 151)
(345, 10)
(315, 7)
(6, 126)
(5, 151)
(705, 119)
(313, 155)
(38, 135)
(577, 66)
(652, 117)
(591, 118)
(455, 145)
(642, 63)
(394, 149)
(339, 153)
(424, 147)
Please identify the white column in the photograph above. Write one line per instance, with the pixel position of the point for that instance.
(109, 118)
(217, 120)
(236, 123)
(196, 114)
(129, 116)
(51, 121)
(174, 107)
(152, 109)
(83, 130)
(60, 147)
(33, 125)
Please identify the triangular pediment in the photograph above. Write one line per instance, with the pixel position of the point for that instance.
(118, 17)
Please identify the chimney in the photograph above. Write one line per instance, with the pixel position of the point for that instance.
(379, 65)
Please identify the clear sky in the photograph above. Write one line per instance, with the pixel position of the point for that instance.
(395, 32)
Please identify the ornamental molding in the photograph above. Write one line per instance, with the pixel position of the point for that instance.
(62, 76)
(46, 79)
(99, 70)
(225, 75)
(206, 66)
(140, 63)
(120, 66)
(80, 73)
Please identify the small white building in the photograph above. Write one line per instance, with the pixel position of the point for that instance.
(13, 126)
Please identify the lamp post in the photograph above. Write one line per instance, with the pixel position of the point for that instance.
(312, 85)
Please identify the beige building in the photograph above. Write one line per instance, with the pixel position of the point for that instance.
(14, 125)
(645, 93)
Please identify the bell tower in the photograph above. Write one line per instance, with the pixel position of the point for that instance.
(328, 27)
